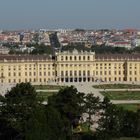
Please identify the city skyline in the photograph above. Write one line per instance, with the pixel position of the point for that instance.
(53, 14)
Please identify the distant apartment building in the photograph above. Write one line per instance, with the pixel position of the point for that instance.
(122, 44)
(4, 50)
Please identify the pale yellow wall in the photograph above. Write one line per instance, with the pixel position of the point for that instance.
(43, 71)
(15, 72)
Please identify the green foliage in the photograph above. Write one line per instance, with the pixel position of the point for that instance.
(131, 124)
(92, 106)
(24, 117)
(111, 119)
(36, 38)
(69, 103)
(42, 49)
(98, 49)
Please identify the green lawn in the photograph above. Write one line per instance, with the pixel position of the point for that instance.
(45, 95)
(122, 95)
(127, 139)
(49, 87)
(117, 86)
(129, 107)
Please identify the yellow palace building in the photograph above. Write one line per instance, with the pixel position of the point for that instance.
(70, 67)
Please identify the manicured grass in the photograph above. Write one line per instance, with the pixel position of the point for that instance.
(127, 139)
(49, 87)
(45, 95)
(129, 107)
(117, 86)
(122, 95)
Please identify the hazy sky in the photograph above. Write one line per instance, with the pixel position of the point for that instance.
(93, 14)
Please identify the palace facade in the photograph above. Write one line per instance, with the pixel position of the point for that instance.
(70, 67)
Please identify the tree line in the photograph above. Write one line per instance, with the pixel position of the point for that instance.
(45, 49)
(23, 116)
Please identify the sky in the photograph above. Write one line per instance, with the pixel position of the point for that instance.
(52, 14)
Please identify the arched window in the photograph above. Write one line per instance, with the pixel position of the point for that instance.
(66, 58)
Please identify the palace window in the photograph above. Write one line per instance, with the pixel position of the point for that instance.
(84, 73)
(100, 72)
(96, 72)
(70, 73)
(61, 58)
(88, 73)
(75, 73)
(66, 58)
(66, 73)
(48, 73)
(119, 78)
(79, 73)
(62, 73)
(83, 57)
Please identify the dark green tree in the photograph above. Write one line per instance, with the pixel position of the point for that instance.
(92, 106)
(69, 103)
(137, 130)
(129, 124)
(111, 120)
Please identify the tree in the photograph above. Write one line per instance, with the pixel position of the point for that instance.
(92, 106)
(129, 124)
(69, 103)
(36, 38)
(111, 121)
(17, 108)
(137, 130)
